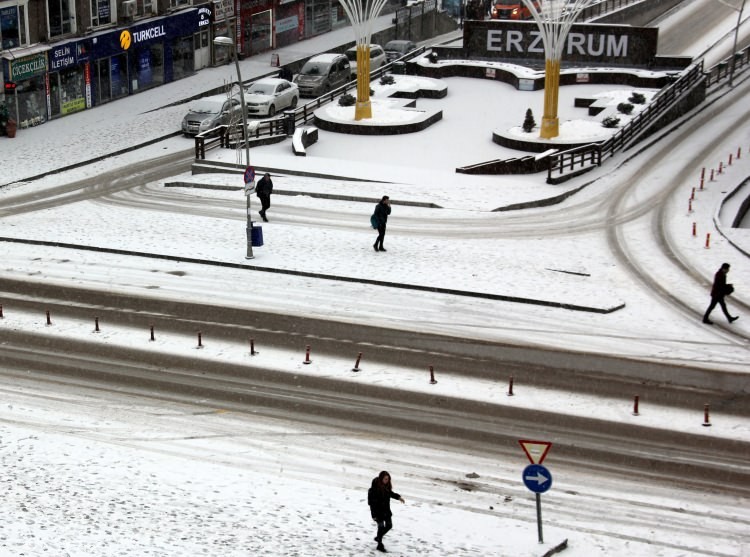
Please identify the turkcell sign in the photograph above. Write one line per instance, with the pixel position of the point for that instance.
(591, 44)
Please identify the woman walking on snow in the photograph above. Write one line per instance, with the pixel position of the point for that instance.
(379, 498)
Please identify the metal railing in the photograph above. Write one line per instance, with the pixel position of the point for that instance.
(223, 137)
(567, 164)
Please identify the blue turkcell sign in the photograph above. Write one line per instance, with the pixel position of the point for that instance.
(537, 478)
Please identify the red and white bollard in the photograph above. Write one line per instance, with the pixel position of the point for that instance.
(432, 376)
(695, 229)
(307, 355)
(692, 194)
(1, 311)
(49, 320)
(356, 364)
(96, 325)
(706, 420)
(739, 152)
(635, 406)
(701, 182)
(711, 179)
(690, 205)
(708, 240)
(200, 340)
(730, 159)
(510, 386)
(721, 167)
(703, 173)
(252, 347)
(152, 334)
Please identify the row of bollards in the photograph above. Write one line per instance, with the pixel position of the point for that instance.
(706, 418)
(356, 368)
(719, 170)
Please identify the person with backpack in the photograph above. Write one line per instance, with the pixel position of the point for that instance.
(380, 217)
(263, 190)
(379, 498)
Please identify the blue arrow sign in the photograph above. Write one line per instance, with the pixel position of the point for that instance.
(537, 478)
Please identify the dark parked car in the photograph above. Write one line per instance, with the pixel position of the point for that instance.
(396, 49)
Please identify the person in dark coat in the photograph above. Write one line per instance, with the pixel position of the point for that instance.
(718, 291)
(263, 190)
(382, 210)
(379, 498)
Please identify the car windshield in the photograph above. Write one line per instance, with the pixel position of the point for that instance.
(397, 47)
(351, 55)
(315, 68)
(206, 107)
(262, 88)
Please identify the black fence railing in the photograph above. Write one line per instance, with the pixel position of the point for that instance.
(570, 163)
(229, 136)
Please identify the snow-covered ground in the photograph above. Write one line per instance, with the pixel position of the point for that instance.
(83, 475)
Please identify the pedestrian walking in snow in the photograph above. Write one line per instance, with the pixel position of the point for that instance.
(720, 289)
(379, 498)
(263, 190)
(382, 210)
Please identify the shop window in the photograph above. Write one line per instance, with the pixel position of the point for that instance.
(60, 17)
(183, 59)
(13, 31)
(101, 12)
(180, 3)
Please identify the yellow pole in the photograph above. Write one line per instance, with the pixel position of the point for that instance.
(363, 109)
(550, 122)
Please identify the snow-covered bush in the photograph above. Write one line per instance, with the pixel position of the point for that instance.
(387, 79)
(529, 123)
(637, 98)
(611, 122)
(625, 108)
(347, 100)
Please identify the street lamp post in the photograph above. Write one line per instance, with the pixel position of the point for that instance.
(226, 41)
(734, 48)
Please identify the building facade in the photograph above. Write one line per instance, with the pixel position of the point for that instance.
(58, 57)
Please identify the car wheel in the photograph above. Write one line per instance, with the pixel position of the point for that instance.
(294, 102)
(271, 110)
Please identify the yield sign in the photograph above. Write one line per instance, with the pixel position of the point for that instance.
(536, 451)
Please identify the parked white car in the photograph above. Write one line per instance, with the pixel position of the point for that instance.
(377, 58)
(267, 96)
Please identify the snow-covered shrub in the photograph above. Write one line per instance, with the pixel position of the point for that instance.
(637, 98)
(387, 79)
(611, 122)
(347, 100)
(625, 108)
(529, 123)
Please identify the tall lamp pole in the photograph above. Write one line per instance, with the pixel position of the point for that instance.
(734, 49)
(227, 41)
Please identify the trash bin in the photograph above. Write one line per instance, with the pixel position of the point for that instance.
(256, 236)
(398, 68)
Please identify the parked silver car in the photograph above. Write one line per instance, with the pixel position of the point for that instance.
(267, 96)
(377, 58)
(398, 48)
(210, 112)
(322, 73)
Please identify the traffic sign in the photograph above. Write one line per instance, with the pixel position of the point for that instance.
(537, 478)
(249, 188)
(536, 451)
(249, 174)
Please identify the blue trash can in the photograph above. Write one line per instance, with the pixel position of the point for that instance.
(256, 236)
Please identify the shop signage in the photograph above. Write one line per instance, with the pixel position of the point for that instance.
(24, 68)
(62, 56)
(223, 9)
(287, 24)
(621, 45)
(205, 15)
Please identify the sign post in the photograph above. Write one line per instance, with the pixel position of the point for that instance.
(249, 178)
(535, 476)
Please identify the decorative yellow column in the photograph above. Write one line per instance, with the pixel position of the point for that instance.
(363, 108)
(550, 122)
